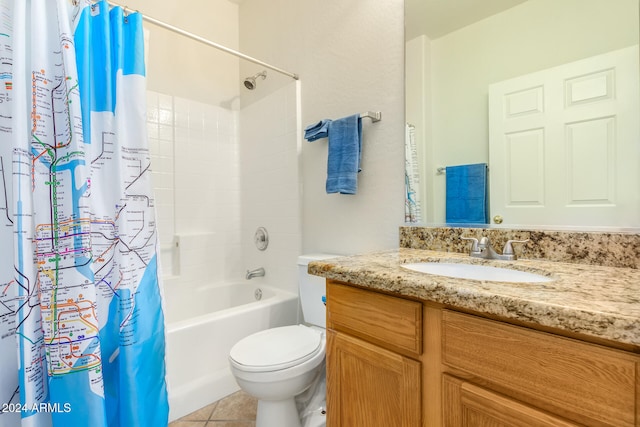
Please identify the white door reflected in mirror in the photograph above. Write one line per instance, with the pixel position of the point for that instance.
(563, 143)
(456, 50)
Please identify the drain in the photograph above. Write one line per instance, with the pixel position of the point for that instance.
(258, 294)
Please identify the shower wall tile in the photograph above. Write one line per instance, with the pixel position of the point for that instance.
(197, 187)
(165, 102)
(152, 130)
(162, 167)
(165, 131)
(216, 183)
(162, 178)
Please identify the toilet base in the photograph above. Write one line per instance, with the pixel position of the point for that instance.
(277, 413)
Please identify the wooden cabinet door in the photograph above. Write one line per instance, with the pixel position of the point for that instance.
(589, 384)
(368, 386)
(466, 405)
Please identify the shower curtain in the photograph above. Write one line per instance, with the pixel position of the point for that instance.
(81, 321)
(412, 205)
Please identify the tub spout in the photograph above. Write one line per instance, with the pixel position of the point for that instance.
(258, 272)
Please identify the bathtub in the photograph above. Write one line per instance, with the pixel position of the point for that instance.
(202, 326)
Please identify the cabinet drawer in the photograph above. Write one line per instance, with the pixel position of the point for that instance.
(467, 405)
(390, 322)
(583, 382)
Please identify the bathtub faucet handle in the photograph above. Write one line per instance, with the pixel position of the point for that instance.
(258, 272)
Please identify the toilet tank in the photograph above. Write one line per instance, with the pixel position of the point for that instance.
(312, 290)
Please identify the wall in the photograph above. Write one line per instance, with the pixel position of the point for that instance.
(466, 61)
(349, 56)
(183, 67)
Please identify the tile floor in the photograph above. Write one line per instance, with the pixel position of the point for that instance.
(236, 410)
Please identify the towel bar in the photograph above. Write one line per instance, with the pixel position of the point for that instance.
(375, 116)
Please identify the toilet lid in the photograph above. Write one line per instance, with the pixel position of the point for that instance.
(276, 348)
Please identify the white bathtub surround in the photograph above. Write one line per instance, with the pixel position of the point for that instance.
(194, 149)
(209, 257)
(203, 323)
(270, 197)
(217, 182)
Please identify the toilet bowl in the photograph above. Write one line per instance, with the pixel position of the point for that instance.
(276, 365)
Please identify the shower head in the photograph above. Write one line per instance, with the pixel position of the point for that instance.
(250, 82)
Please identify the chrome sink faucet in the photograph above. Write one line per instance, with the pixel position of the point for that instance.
(258, 272)
(483, 249)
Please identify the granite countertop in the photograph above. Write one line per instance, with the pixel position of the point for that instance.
(602, 302)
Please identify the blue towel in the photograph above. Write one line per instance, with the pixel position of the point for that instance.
(343, 163)
(317, 130)
(467, 200)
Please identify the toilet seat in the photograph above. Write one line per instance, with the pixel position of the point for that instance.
(276, 349)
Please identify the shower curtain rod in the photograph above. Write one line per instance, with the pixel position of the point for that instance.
(205, 41)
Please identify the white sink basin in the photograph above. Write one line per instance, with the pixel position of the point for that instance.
(476, 272)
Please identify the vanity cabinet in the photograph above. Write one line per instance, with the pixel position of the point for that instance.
(374, 342)
(370, 386)
(393, 361)
(564, 379)
(467, 405)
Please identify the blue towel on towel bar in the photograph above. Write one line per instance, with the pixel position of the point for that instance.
(467, 200)
(343, 163)
(317, 130)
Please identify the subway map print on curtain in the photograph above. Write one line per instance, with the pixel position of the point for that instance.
(9, 389)
(81, 322)
(111, 72)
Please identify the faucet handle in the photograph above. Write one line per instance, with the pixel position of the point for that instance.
(474, 245)
(508, 248)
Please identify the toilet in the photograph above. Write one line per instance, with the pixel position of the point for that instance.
(276, 365)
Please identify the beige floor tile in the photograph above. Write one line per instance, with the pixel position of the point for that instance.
(180, 423)
(202, 414)
(237, 407)
(231, 424)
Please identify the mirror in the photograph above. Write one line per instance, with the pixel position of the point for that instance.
(457, 49)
